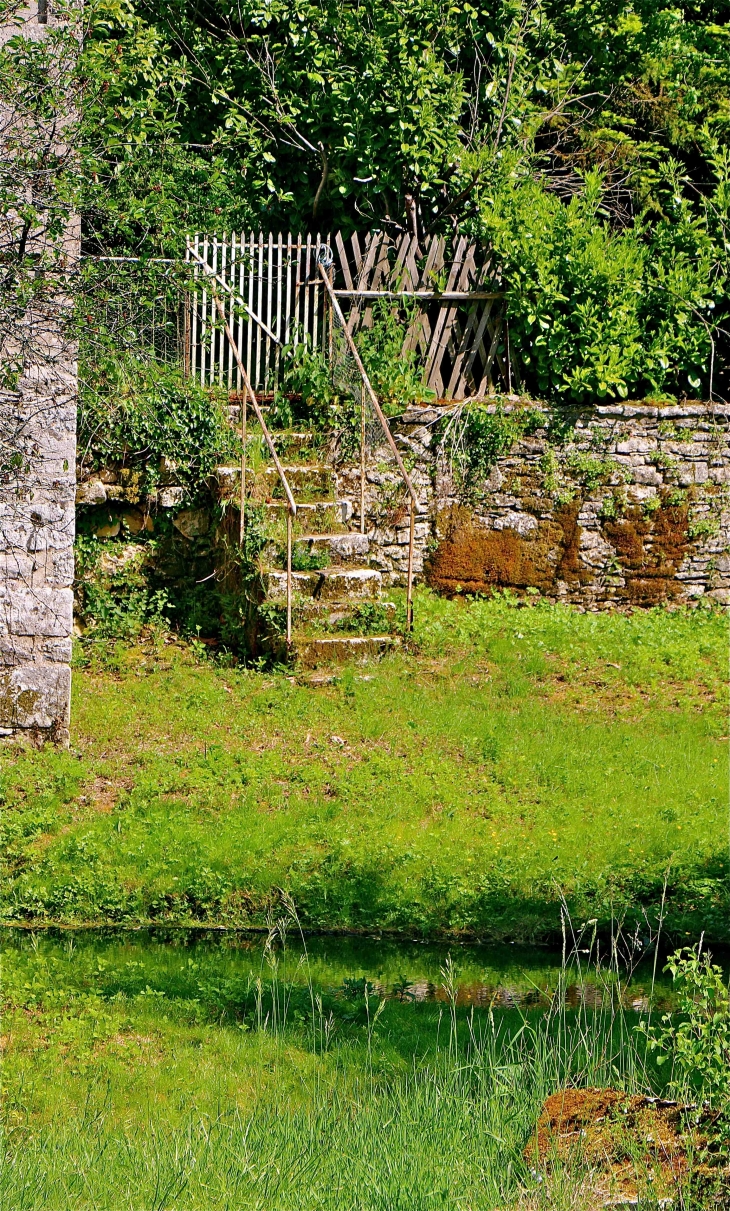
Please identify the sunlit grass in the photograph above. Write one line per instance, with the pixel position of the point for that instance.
(514, 756)
(136, 1078)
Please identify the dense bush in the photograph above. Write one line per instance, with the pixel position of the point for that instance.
(596, 312)
(136, 412)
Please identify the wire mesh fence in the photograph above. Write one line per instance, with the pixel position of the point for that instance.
(135, 308)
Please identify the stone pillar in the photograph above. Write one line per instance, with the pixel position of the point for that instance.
(38, 388)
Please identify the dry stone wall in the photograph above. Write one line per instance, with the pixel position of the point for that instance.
(630, 508)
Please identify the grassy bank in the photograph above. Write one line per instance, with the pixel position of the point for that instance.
(514, 757)
(137, 1076)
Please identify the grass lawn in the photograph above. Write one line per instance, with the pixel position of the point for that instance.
(168, 1078)
(513, 759)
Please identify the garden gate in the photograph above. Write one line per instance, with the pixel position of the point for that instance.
(446, 288)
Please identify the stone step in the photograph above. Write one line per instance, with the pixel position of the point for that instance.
(322, 617)
(341, 548)
(313, 650)
(329, 584)
(312, 479)
(290, 441)
(321, 514)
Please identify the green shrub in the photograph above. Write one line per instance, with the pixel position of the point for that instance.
(697, 1043)
(135, 412)
(597, 312)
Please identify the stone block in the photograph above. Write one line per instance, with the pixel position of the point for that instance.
(719, 475)
(35, 696)
(647, 475)
(170, 498)
(192, 523)
(91, 493)
(36, 611)
(693, 473)
(58, 651)
(636, 445)
(15, 650)
(59, 569)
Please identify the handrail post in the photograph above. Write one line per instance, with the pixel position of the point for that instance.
(288, 578)
(244, 438)
(362, 460)
(409, 590)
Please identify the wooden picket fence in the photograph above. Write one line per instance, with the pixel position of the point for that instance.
(447, 290)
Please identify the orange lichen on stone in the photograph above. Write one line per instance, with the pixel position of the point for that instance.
(474, 559)
(650, 550)
(634, 1147)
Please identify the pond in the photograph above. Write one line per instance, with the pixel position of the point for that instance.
(172, 961)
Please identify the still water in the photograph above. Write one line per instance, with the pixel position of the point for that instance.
(482, 976)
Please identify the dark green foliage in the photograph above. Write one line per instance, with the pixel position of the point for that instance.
(587, 143)
(134, 413)
(596, 312)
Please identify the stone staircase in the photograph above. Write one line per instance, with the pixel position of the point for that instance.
(339, 613)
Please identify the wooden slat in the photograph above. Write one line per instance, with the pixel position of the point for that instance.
(297, 289)
(380, 272)
(315, 294)
(279, 291)
(203, 319)
(287, 324)
(486, 375)
(420, 333)
(257, 379)
(194, 351)
(431, 370)
(269, 315)
(457, 382)
(411, 265)
(307, 261)
(475, 343)
(357, 255)
(240, 284)
(344, 266)
(231, 308)
(213, 318)
(222, 344)
(251, 288)
(366, 264)
(471, 338)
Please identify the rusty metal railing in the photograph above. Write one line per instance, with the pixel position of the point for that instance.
(323, 262)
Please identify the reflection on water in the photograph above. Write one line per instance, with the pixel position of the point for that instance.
(588, 993)
(497, 977)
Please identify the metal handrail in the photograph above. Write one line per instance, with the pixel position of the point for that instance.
(292, 507)
(413, 499)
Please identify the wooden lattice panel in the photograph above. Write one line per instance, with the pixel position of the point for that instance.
(276, 297)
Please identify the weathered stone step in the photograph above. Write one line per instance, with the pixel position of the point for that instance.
(294, 442)
(329, 584)
(313, 650)
(322, 617)
(317, 513)
(313, 479)
(341, 548)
